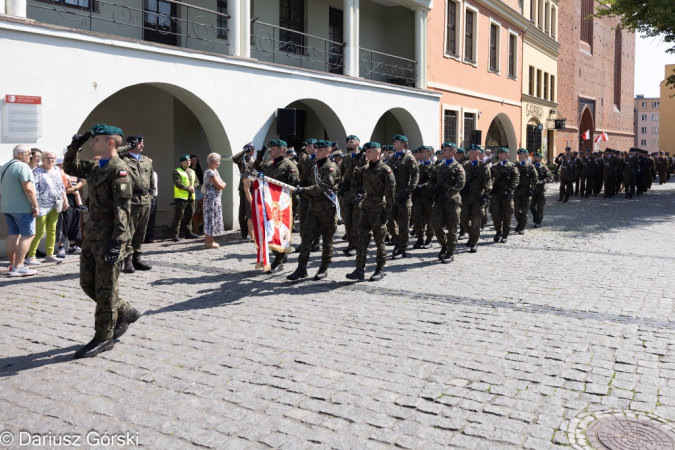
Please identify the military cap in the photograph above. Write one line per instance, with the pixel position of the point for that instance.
(522, 150)
(567, 149)
(248, 146)
(503, 150)
(291, 151)
(310, 142)
(369, 145)
(439, 152)
(335, 144)
(337, 153)
(448, 144)
(134, 140)
(538, 155)
(353, 136)
(386, 148)
(575, 153)
(277, 143)
(415, 150)
(105, 130)
(323, 144)
(185, 158)
(428, 148)
(400, 137)
(461, 150)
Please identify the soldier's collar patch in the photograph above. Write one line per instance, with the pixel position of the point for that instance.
(123, 173)
(331, 169)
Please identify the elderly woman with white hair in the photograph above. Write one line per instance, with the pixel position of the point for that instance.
(52, 200)
(213, 210)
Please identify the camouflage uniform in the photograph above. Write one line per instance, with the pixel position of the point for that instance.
(475, 192)
(379, 185)
(423, 203)
(505, 178)
(406, 174)
(184, 209)
(350, 209)
(538, 201)
(305, 166)
(528, 178)
(446, 182)
(140, 172)
(109, 202)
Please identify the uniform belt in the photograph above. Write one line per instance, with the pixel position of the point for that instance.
(102, 216)
(141, 191)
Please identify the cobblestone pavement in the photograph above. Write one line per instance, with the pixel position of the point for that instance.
(501, 349)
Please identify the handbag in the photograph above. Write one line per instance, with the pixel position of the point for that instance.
(59, 205)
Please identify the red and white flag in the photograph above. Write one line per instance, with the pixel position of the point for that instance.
(602, 137)
(587, 135)
(272, 213)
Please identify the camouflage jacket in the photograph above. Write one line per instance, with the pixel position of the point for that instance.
(243, 162)
(378, 183)
(505, 177)
(544, 176)
(306, 169)
(322, 182)
(110, 191)
(422, 189)
(140, 172)
(281, 169)
(447, 181)
(348, 168)
(406, 172)
(528, 177)
(478, 181)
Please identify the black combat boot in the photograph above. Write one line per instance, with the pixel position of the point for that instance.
(378, 275)
(474, 248)
(427, 243)
(537, 225)
(322, 273)
(497, 237)
(176, 238)
(94, 347)
(448, 258)
(124, 321)
(358, 274)
(128, 265)
(419, 243)
(443, 253)
(315, 246)
(138, 264)
(461, 236)
(191, 235)
(349, 251)
(300, 272)
(397, 253)
(504, 239)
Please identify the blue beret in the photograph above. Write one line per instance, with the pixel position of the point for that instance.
(353, 136)
(323, 144)
(522, 150)
(185, 158)
(461, 150)
(369, 145)
(105, 130)
(502, 150)
(537, 154)
(448, 144)
(311, 142)
(277, 143)
(400, 137)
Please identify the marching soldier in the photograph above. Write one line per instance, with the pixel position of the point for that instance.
(609, 168)
(585, 174)
(446, 183)
(577, 172)
(350, 211)
(105, 235)
(281, 169)
(474, 196)
(306, 168)
(184, 186)
(662, 166)
(596, 173)
(406, 173)
(505, 179)
(140, 172)
(538, 201)
(630, 171)
(321, 216)
(376, 188)
(423, 200)
(528, 178)
(568, 169)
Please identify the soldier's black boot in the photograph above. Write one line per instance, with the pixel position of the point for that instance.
(461, 235)
(138, 264)
(278, 264)
(300, 272)
(94, 347)
(398, 253)
(322, 273)
(497, 237)
(537, 225)
(358, 274)
(123, 322)
(128, 266)
(448, 258)
(419, 243)
(349, 251)
(474, 248)
(176, 238)
(443, 253)
(378, 275)
(315, 246)
(504, 239)
(427, 243)
(191, 235)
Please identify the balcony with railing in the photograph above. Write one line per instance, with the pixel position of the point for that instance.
(392, 69)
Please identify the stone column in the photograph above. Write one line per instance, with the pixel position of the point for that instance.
(234, 27)
(348, 57)
(246, 28)
(421, 47)
(16, 8)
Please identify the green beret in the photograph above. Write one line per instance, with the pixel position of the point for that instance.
(277, 143)
(460, 150)
(522, 150)
(428, 148)
(185, 158)
(503, 150)
(439, 152)
(538, 155)
(337, 153)
(400, 137)
(416, 150)
(310, 142)
(323, 144)
(105, 130)
(353, 136)
(448, 144)
(476, 147)
(369, 145)
(388, 148)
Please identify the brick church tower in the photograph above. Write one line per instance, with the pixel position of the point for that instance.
(596, 77)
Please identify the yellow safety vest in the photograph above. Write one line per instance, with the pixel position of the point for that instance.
(187, 181)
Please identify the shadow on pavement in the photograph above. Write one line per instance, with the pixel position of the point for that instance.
(14, 364)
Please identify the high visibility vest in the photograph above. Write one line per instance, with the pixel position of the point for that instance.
(187, 181)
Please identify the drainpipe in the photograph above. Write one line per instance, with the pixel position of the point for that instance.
(246, 29)
(16, 8)
(421, 47)
(348, 58)
(234, 27)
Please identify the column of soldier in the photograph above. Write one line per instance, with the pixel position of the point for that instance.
(381, 188)
(611, 172)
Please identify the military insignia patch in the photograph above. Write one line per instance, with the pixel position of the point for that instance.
(123, 173)
(331, 169)
(123, 187)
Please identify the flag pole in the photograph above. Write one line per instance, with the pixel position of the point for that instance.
(255, 175)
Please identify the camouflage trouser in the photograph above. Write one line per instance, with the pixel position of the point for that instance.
(447, 212)
(537, 206)
(303, 207)
(470, 219)
(399, 223)
(371, 220)
(423, 217)
(99, 280)
(182, 217)
(501, 210)
(351, 213)
(521, 205)
(322, 223)
(138, 225)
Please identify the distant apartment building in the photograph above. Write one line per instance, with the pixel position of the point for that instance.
(647, 120)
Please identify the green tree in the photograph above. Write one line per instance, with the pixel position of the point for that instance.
(650, 18)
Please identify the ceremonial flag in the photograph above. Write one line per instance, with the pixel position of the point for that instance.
(602, 137)
(587, 135)
(272, 219)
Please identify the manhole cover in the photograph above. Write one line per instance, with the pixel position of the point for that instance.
(629, 433)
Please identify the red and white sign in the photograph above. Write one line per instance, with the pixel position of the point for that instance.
(272, 214)
(23, 99)
(602, 137)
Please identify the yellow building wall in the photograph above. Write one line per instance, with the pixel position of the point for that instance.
(667, 130)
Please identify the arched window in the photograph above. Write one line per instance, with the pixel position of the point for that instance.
(587, 22)
(617, 67)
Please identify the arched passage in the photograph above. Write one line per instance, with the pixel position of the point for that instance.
(397, 121)
(586, 124)
(174, 122)
(502, 134)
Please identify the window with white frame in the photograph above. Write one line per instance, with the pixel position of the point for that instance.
(470, 35)
(547, 16)
(643, 141)
(452, 17)
(644, 104)
(552, 94)
(655, 104)
(469, 127)
(643, 117)
(643, 130)
(554, 20)
(655, 130)
(513, 54)
(541, 14)
(655, 142)
(533, 10)
(495, 32)
(545, 86)
(655, 117)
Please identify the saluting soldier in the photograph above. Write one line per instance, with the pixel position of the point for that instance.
(505, 178)
(446, 183)
(474, 196)
(105, 235)
(406, 173)
(423, 200)
(351, 211)
(321, 218)
(375, 192)
(279, 168)
(140, 171)
(243, 160)
(527, 182)
(544, 176)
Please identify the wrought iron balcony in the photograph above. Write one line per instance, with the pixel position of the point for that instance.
(387, 68)
(293, 48)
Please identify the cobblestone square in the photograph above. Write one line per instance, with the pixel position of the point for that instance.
(501, 349)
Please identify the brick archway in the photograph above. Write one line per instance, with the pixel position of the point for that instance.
(585, 124)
